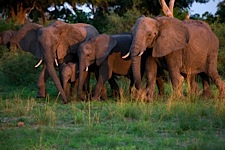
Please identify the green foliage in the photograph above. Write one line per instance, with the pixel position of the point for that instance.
(17, 68)
(120, 24)
(3, 50)
(5, 25)
(221, 12)
(179, 13)
(219, 29)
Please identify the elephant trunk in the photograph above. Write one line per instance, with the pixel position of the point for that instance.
(52, 73)
(137, 49)
(136, 64)
(82, 78)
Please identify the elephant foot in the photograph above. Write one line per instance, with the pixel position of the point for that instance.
(222, 91)
(40, 95)
(207, 94)
(104, 98)
(139, 95)
(82, 96)
(115, 94)
(98, 97)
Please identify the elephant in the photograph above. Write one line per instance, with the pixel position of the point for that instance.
(105, 51)
(186, 47)
(69, 77)
(6, 38)
(51, 44)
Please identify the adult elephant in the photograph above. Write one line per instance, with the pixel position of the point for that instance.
(188, 47)
(106, 51)
(51, 44)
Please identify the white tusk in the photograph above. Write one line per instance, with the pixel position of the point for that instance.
(38, 64)
(140, 53)
(56, 63)
(125, 56)
(86, 69)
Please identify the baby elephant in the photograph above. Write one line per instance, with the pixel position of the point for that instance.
(106, 51)
(69, 76)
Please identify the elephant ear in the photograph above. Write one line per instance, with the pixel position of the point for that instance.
(173, 36)
(104, 44)
(27, 37)
(70, 35)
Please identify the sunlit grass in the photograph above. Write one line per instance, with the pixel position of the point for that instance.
(190, 122)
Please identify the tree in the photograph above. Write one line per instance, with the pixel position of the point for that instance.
(221, 11)
(17, 10)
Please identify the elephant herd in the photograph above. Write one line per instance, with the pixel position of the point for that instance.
(183, 48)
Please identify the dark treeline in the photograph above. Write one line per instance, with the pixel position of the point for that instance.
(42, 11)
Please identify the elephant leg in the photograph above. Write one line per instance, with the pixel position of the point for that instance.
(213, 73)
(74, 87)
(82, 80)
(160, 85)
(151, 71)
(174, 64)
(98, 88)
(105, 73)
(104, 95)
(207, 93)
(114, 86)
(67, 89)
(41, 83)
(159, 81)
(192, 84)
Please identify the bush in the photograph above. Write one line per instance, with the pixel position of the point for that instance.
(119, 24)
(5, 25)
(219, 29)
(3, 50)
(18, 68)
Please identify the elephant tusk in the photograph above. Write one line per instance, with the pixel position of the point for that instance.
(56, 63)
(39, 63)
(86, 69)
(140, 53)
(125, 56)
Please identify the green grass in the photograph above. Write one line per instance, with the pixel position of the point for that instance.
(188, 123)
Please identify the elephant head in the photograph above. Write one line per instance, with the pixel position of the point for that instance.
(27, 39)
(94, 51)
(163, 34)
(6, 38)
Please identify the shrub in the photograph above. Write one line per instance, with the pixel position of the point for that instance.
(5, 25)
(3, 50)
(219, 29)
(119, 24)
(18, 68)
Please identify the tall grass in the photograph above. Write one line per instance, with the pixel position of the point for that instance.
(122, 123)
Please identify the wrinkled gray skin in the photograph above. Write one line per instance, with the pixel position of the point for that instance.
(188, 47)
(6, 38)
(53, 42)
(106, 52)
(69, 77)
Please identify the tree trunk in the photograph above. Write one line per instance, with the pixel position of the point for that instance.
(18, 15)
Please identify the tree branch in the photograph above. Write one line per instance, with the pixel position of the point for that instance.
(166, 10)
